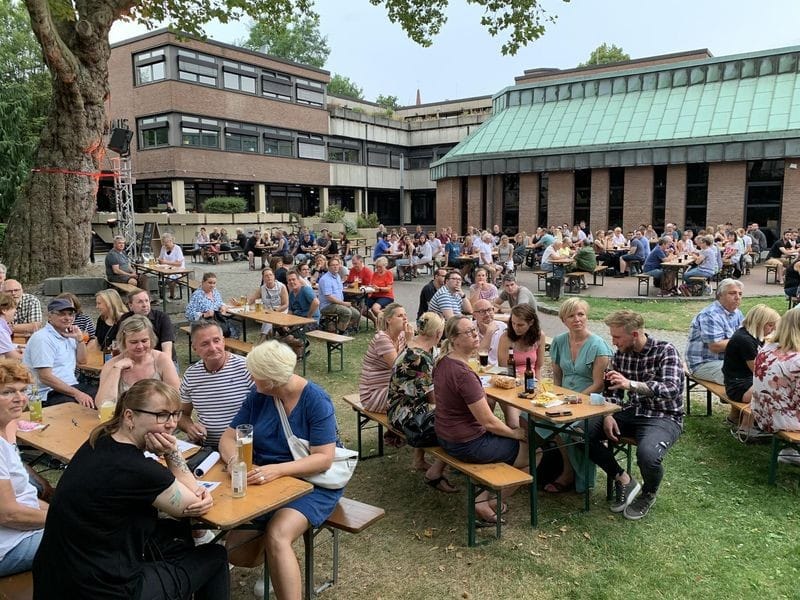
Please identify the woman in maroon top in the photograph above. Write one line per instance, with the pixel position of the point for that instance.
(465, 424)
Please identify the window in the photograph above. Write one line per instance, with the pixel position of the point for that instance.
(239, 142)
(659, 197)
(310, 146)
(278, 142)
(150, 66)
(423, 207)
(276, 85)
(377, 157)
(616, 194)
(544, 185)
(311, 97)
(420, 159)
(237, 81)
(199, 132)
(197, 68)
(583, 192)
(153, 132)
(696, 195)
(765, 194)
(348, 155)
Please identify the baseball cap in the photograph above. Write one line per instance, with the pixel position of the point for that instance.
(60, 304)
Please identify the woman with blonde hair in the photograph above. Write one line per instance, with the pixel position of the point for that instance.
(411, 397)
(775, 399)
(110, 308)
(137, 360)
(311, 417)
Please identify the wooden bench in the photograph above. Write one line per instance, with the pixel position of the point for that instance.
(712, 389)
(350, 516)
(599, 270)
(334, 342)
(541, 279)
(781, 440)
(623, 446)
(697, 285)
(494, 476)
(231, 344)
(17, 587)
(643, 279)
(126, 288)
(576, 279)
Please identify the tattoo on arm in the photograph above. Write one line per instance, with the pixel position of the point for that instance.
(175, 499)
(175, 458)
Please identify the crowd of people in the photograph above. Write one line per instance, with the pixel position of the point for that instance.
(420, 372)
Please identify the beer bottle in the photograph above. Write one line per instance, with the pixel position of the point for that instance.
(239, 474)
(530, 380)
(512, 369)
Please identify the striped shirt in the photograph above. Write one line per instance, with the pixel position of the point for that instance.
(216, 397)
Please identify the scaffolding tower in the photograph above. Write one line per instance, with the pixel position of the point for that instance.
(123, 195)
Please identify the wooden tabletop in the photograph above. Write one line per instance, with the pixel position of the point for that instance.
(163, 269)
(673, 262)
(229, 512)
(94, 360)
(279, 319)
(584, 410)
(68, 427)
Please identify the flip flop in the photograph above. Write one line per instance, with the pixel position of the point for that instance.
(556, 487)
(481, 523)
(436, 484)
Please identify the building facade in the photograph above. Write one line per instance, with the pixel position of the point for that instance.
(686, 138)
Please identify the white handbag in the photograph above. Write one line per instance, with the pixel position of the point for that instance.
(344, 460)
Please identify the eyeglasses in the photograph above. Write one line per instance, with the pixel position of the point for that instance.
(161, 417)
(472, 331)
(483, 311)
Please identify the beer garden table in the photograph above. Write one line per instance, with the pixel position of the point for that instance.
(165, 273)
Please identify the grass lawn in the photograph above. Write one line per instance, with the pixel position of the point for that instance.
(668, 315)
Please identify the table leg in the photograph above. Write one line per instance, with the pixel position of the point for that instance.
(162, 289)
(532, 467)
(587, 466)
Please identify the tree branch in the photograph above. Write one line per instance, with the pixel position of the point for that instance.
(57, 55)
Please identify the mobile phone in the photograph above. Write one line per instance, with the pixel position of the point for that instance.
(558, 413)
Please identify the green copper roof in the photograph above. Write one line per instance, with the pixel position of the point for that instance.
(752, 100)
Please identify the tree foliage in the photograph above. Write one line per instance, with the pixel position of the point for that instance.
(388, 102)
(297, 39)
(25, 93)
(605, 54)
(344, 86)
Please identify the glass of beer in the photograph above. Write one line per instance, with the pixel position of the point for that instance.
(259, 306)
(473, 363)
(243, 301)
(107, 409)
(483, 358)
(547, 384)
(244, 438)
(35, 406)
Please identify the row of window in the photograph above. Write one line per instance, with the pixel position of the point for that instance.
(154, 132)
(170, 62)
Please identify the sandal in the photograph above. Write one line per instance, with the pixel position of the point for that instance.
(490, 521)
(437, 485)
(556, 487)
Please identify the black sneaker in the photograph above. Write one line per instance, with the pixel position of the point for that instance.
(640, 507)
(624, 494)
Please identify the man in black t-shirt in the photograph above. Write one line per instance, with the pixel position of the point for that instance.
(430, 289)
(139, 304)
(250, 248)
(781, 254)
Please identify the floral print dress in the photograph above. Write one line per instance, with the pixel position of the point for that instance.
(776, 395)
(411, 382)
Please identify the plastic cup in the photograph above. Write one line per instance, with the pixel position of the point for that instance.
(596, 399)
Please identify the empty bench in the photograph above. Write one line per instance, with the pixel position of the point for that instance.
(334, 342)
(17, 587)
(125, 288)
(781, 440)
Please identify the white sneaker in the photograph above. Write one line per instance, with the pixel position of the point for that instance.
(789, 456)
(206, 538)
(258, 588)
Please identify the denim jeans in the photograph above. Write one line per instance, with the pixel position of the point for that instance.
(20, 557)
(654, 437)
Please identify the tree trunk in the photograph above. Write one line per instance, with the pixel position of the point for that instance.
(49, 230)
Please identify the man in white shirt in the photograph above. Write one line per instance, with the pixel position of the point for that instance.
(489, 330)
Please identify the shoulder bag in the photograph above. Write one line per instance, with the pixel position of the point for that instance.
(344, 460)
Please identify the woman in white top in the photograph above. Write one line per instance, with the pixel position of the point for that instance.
(8, 310)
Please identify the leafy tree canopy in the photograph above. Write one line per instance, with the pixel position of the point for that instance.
(298, 39)
(605, 54)
(344, 86)
(388, 102)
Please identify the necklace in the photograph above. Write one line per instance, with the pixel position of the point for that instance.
(222, 366)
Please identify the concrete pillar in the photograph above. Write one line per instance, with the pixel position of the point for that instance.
(261, 198)
(178, 195)
(405, 207)
(359, 201)
(323, 200)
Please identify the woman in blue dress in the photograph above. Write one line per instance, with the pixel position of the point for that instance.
(311, 417)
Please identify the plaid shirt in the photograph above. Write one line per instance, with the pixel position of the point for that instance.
(712, 324)
(29, 310)
(659, 367)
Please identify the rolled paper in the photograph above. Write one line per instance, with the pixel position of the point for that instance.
(204, 466)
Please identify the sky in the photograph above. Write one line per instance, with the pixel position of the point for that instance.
(464, 60)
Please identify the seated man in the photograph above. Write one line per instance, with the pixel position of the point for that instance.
(29, 310)
(53, 353)
(489, 329)
(652, 264)
(332, 302)
(514, 294)
(585, 257)
(118, 265)
(430, 289)
(652, 374)
(449, 300)
(139, 304)
(640, 248)
(251, 250)
(781, 254)
(550, 252)
(711, 329)
(302, 300)
(212, 388)
(360, 271)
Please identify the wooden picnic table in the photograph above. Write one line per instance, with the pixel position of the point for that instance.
(67, 427)
(537, 417)
(166, 273)
(94, 360)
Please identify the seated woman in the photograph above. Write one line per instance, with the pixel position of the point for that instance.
(137, 360)
(273, 295)
(110, 308)
(22, 514)
(103, 537)
(206, 303)
(579, 359)
(482, 289)
(393, 331)
(311, 417)
(411, 391)
(740, 355)
(319, 269)
(8, 310)
(775, 400)
(705, 262)
(465, 424)
(383, 284)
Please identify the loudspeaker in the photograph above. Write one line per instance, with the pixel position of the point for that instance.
(120, 141)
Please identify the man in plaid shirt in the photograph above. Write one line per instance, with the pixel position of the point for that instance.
(652, 374)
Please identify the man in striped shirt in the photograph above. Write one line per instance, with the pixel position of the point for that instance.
(214, 387)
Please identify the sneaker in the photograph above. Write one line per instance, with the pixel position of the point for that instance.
(206, 538)
(624, 494)
(640, 507)
(258, 588)
(789, 456)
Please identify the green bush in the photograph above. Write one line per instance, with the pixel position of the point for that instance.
(334, 214)
(370, 220)
(225, 204)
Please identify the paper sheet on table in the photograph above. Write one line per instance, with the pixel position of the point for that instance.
(209, 485)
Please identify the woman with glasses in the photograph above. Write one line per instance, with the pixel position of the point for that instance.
(465, 424)
(103, 537)
(137, 360)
